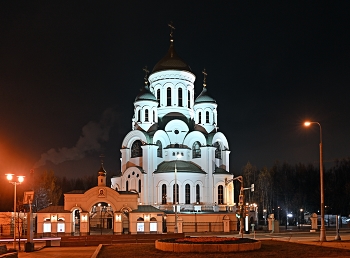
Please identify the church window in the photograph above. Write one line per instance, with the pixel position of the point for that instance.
(180, 97)
(197, 194)
(199, 117)
(189, 99)
(146, 115)
(176, 198)
(139, 116)
(136, 150)
(154, 116)
(196, 150)
(217, 150)
(127, 186)
(207, 117)
(163, 193)
(160, 149)
(220, 194)
(187, 194)
(158, 97)
(139, 185)
(168, 96)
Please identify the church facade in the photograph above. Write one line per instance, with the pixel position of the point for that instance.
(174, 167)
(174, 153)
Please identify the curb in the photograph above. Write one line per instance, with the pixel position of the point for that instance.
(94, 255)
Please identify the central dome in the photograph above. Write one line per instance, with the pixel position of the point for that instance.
(171, 61)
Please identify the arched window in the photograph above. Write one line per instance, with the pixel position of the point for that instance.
(158, 97)
(127, 186)
(160, 149)
(217, 150)
(220, 194)
(179, 93)
(199, 117)
(136, 150)
(163, 193)
(177, 194)
(207, 117)
(196, 150)
(168, 96)
(198, 194)
(139, 185)
(146, 115)
(139, 116)
(189, 99)
(154, 116)
(187, 194)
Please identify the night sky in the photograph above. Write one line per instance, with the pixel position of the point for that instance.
(70, 71)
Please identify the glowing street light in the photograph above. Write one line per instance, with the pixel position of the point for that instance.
(20, 179)
(323, 229)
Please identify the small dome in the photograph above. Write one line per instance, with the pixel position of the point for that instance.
(204, 97)
(145, 94)
(171, 61)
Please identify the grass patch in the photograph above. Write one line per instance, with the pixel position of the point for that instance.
(269, 248)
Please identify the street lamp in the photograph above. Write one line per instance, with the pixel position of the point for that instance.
(322, 230)
(20, 179)
(175, 197)
(265, 214)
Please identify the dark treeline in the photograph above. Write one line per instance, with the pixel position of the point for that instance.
(280, 189)
(290, 188)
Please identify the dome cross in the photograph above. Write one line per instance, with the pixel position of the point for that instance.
(205, 78)
(172, 28)
(146, 74)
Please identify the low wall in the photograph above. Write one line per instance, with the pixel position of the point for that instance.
(7, 253)
(206, 248)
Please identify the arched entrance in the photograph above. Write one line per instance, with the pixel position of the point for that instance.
(75, 221)
(101, 219)
(125, 220)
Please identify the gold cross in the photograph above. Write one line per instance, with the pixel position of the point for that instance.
(205, 78)
(171, 29)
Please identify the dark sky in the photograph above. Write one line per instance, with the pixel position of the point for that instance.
(70, 71)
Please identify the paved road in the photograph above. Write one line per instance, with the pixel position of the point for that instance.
(60, 252)
(299, 237)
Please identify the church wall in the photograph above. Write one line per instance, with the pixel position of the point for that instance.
(54, 221)
(182, 179)
(210, 222)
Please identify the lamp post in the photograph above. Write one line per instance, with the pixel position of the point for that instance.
(20, 179)
(175, 198)
(322, 230)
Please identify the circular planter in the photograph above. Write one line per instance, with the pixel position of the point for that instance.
(207, 245)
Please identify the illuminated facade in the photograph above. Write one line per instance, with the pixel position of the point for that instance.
(171, 128)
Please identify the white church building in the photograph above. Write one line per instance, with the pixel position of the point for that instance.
(172, 129)
(174, 154)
